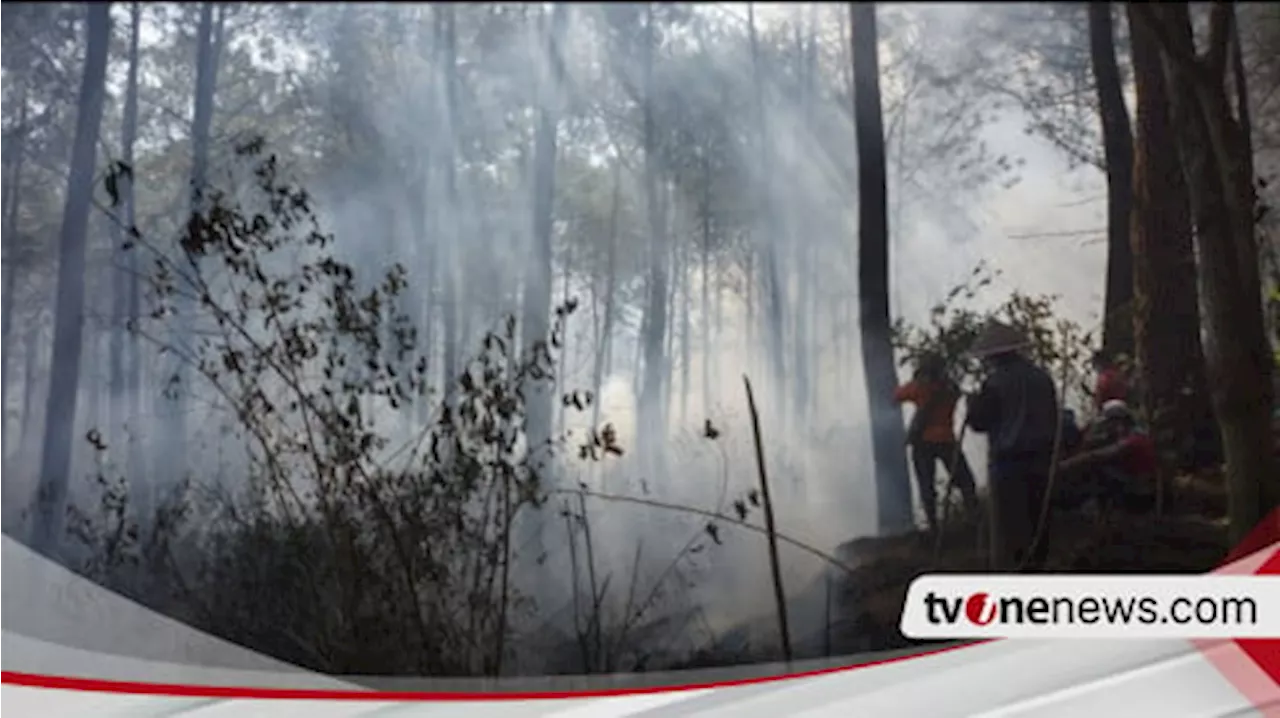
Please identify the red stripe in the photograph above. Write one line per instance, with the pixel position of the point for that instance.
(1265, 653)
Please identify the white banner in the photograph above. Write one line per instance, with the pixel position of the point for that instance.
(1119, 606)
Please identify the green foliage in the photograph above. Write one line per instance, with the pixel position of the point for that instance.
(1061, 346)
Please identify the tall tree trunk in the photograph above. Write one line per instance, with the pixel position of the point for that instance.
(686, 331)
(655, 329)
(705, 312)
(132, 379)
(423, 220)
(1166, 307)
(26, 428)
(562, 361)
(7, 312)
(803, 346)
(55, 459)
(450, 210)
(749, 289)
(893, 491)
(669, 306)
(537, 291)
(1117, 142)
(773, 230)
(1215, 159)
(12, 202)
(173, 455)
(605, 347)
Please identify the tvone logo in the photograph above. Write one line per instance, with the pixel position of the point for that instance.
(980, 609)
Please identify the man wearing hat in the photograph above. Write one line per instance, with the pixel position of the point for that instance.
(1017, 408)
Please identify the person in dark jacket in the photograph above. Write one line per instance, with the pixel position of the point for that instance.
(1017, 408)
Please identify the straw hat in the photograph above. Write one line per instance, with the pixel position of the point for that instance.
(997, 338)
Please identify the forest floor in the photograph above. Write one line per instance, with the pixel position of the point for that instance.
(863, 606)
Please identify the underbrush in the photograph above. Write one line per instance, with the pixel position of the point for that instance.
(375, 528)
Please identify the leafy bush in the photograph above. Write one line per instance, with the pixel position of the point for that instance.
(340, 551)
(1061, 346)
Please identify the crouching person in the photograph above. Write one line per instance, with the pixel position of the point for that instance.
(1117, 466)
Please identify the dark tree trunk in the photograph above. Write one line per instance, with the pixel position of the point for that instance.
(1216, 161)
(1166, 307)
(55, 460)
(1117, 144)
(888, 436)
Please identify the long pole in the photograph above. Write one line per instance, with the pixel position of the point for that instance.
(776, 569)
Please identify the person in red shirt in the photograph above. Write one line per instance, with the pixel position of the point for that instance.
(931, 436)
(1121, 464)
(1111, 384)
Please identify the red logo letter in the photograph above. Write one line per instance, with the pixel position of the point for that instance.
(979, 609)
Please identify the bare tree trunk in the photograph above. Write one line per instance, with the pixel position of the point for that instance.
(9, 295)
(803, 345)
(1166, 307)
(605, 348)
(1117, 141)
(893, 490)
(132, 379)
(669, 306)
(173, 455)
(562, 385)
(650, 430)
(55, 460)
(91, 379)
(424, 220)
(686, 332)
(1215, 159)
(27, 427)
(705, 312)
(449, 210)
(12, 202)
(537, 291)
(749, 324)
(773, 232)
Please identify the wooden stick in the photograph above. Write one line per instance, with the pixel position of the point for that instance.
(778, 593)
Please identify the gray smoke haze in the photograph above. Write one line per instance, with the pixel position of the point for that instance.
(798, 200)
